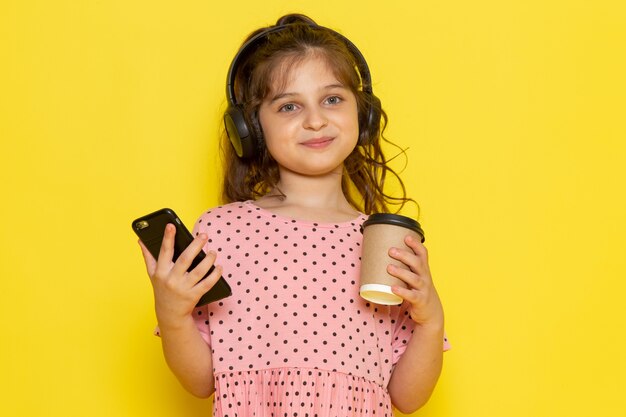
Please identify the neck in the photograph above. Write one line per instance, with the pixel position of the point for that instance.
(310, 197)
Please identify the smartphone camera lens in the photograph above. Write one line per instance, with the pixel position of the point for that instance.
(141, 225)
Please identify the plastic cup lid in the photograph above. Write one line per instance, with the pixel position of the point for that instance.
(396, 220)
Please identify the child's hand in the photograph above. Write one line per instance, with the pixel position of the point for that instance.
(176, 291)
(426, 308)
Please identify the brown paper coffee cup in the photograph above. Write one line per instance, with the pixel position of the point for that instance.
(382, 231)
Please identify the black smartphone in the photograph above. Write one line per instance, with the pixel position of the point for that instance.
(151, 228)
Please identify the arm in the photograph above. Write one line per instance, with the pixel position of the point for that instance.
(189, 357)
(176, 292)
(416, 373)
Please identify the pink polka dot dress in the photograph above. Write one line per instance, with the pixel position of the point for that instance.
(295, 338)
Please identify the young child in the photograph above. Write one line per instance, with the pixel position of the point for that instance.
(303, 169)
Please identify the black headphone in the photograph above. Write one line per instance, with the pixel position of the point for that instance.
(244, 137)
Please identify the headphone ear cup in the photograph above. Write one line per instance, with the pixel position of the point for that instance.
(370, 124)
(239, 132)
(374, 117)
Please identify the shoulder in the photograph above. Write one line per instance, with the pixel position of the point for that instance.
(225, 210)
(223, 215)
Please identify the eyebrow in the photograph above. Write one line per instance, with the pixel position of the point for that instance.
(288, 95)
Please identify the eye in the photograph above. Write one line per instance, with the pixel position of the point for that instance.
(289, 107)
(334, 100)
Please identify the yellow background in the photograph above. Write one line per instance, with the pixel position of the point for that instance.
(514, 112)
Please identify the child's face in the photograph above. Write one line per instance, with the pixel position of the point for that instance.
(311, 125)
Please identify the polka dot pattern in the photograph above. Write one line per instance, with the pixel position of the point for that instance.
(295, 337)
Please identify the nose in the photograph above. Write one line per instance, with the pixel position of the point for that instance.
(315, 119)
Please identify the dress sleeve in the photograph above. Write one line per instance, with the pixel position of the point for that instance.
(201, 318)
(403, 327)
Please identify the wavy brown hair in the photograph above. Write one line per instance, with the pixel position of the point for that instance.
(365, 170)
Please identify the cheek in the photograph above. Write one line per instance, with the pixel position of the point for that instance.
(274, 134)
(268, 126)
(352, 124)
(263, 122)
(351, 118)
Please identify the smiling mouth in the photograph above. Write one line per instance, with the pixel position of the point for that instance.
(317, 142)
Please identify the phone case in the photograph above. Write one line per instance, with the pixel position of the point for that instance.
(151, 228)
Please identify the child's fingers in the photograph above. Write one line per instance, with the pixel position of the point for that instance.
(410, 259)
(406, 294)
(409, 277)
(416, 258)
(417, 246)
(166, 253)
(202, 268)
(188, 255)
(205, 285)
(148, 259)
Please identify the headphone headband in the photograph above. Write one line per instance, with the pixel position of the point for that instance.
(251, 45)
